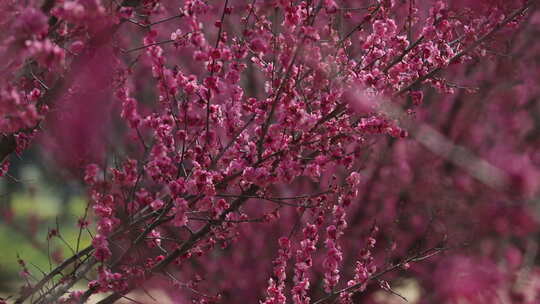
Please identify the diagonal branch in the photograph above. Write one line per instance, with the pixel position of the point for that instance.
(470, 48)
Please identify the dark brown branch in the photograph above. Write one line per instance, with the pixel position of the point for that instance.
(190, 243)
(353, 288)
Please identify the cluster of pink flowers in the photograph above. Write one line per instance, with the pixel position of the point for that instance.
(19, 112)
(304, 262)
(365, 267)
(276, 287)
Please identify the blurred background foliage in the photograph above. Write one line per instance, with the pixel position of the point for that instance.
(36, 200)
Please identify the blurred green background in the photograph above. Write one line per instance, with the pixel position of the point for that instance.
(33, 200)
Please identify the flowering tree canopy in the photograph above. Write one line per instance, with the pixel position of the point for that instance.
(279, 151)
